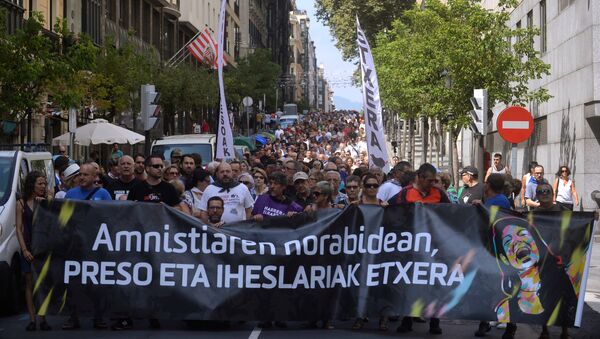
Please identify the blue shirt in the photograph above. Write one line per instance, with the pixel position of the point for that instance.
(77, 193)
(499, 200)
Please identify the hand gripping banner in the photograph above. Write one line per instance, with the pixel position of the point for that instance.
(448, 261)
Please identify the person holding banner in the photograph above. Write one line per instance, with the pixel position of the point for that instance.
(423, 191)
(275, 203)
(34, 190)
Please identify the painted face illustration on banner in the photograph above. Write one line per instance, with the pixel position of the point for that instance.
(520, 247)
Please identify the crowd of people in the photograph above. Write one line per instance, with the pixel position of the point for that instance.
(320, 163)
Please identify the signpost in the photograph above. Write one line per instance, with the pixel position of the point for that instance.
(515, 125)
(247, 101)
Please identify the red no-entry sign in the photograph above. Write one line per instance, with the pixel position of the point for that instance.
(515, 124)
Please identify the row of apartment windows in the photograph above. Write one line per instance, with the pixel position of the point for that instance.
(562, 5)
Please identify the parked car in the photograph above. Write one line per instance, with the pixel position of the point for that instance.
(14, 167)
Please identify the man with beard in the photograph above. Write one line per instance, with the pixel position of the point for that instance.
(237, 198)
(154, 189)
(120, 187)
(139, 168)
(188, 165)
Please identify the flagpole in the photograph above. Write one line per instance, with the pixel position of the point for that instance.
(182, 48)
(181, 58)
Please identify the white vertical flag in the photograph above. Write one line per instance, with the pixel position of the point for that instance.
(224, 134)
(378, 154)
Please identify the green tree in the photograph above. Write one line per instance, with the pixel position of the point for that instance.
(430, 61)
(26, 68)
(185, 88)
(375, 16)
(255, 76)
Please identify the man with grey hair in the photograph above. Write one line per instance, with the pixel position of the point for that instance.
(120, 187)
(340, 200)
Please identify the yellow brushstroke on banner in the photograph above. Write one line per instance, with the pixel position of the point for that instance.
(44, 308)
(564, 225)
(493, 212)
(554, 314)
(66, 212)
(43, 273)
(64, 301)
(417, 308)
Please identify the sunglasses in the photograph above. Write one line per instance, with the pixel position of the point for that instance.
(245, 182)
(352, 187)
(157, 166)
(543, 191)
(316, 194)
(564, 171)
(371, 185)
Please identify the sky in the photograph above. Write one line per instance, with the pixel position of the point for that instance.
(337, 71)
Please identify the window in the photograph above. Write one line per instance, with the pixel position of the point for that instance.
(543, 28)
(530, 23)
(563, 4)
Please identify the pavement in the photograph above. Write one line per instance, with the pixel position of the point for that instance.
(13, 326)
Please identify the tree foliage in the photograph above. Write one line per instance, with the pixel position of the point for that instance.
(430, 61)
(26, 68)
(375, 16)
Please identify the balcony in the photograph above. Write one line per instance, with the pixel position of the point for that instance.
(121, 36)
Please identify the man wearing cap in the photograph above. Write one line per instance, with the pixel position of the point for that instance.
(303, 196)
(176, 155)
(473, 189)
(275, 203)
(69, 179)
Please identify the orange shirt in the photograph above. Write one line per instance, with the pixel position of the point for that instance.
(409, 194)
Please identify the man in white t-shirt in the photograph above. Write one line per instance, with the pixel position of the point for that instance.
(279, 133)
(394, 185)
(237, 197)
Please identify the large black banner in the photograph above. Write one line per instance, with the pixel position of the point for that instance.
(448, 261)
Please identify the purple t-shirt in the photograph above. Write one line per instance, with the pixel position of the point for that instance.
(268, 207)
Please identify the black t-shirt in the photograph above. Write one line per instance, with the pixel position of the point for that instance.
(163, 192)
(118, 188)
(471, 193)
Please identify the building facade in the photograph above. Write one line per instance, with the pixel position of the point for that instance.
(567, 127)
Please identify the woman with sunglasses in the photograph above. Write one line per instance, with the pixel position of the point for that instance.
(564, 189)
(171, 173)
(248, 180)
(370, 185)
(261, 181)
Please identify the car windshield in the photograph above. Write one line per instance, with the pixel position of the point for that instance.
(205, 150)
(6, 174)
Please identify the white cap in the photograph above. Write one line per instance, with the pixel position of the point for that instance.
(71, 171)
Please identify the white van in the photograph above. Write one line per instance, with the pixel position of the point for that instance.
(14, 167)
(288, 120)
(203, 144)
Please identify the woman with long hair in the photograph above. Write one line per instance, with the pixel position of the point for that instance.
(34, 190)
(565, 194)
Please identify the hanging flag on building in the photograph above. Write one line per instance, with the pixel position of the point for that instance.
(204, 48)
(224, 135)
(376, 145)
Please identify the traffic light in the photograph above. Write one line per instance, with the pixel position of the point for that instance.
(150, 109)
(479, 101)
